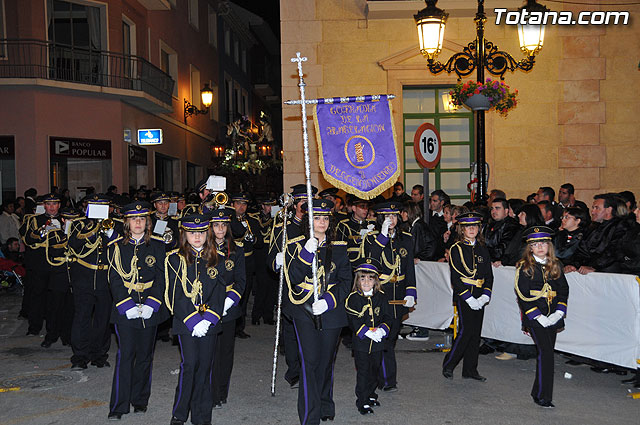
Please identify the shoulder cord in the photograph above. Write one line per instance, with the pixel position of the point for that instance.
(470, 273)
(116, 263)
(90, 246)
(545, 288)
(356, 313)
(181, 274)
(292, 291)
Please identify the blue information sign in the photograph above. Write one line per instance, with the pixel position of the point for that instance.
(150, 136)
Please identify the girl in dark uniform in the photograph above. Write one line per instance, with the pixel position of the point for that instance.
(368, 315)
(195, 295)
(231, 255)
(472, 280)
(136, 276)
(542, 296)
(317, 342)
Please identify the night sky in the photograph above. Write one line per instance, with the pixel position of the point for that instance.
(269, 10)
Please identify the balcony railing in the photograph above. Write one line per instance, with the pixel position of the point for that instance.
(52, 61)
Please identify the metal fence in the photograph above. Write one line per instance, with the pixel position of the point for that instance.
(25, 58)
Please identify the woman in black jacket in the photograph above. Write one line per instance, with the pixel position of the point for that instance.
(317, 323)
(574, 223)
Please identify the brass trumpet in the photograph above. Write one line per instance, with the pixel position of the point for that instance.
(221, 198)
(107, 224)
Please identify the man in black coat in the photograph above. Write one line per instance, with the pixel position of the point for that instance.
(500, 230)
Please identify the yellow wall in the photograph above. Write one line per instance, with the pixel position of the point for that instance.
(576, 120)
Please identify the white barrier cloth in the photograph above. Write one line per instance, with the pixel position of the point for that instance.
(603, 315)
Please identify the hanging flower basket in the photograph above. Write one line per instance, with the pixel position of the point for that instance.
(493, 94)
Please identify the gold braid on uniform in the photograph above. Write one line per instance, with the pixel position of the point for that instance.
(130, 277)
(292, 293)
(546, 288)
(471, 273)
(181, 273)
(353, 312)
(90, 246)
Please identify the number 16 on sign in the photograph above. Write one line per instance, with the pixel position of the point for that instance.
(427, 148)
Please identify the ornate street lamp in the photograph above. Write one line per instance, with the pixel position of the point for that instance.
(478, 55)
(206, 95)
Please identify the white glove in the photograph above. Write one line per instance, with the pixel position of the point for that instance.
(279, 260)
(473, 303)
(410, 301)
(483, 299)
(311, 245)
(385, 226)
(133, 313)
(228, 303)
(146, 312)
(201, 328)
(373, 336)
(380, 332)
(319, 307)
(370, 228)
(556, 316)
(544, 321)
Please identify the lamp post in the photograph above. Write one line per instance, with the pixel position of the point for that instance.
(478, 55)
(206, 95)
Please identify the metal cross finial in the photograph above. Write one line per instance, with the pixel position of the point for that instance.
(299, 59)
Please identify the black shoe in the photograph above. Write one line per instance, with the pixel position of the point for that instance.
(543, 403)
(217, 405)
(115, 416)
(485, 349)
(46, 344)
(447, 373)
(327, 418)
(631, 380)
(242, 335)
(100, 363)
(66, 343)
(365, 409)
(223, 401)
(176, 421)
(374, 402)
(390, 389)
(477, 377)
(294, 383)
(572, 363)
(78, 366)
(32, 333)
(139, 409)
(255, 322)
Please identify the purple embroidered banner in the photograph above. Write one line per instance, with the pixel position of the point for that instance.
(356, 144)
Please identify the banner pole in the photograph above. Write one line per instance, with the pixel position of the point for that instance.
(307, 173)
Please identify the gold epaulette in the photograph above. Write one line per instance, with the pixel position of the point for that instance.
(121, 220)
(339, 243)
(344, 220)
(239, 244)
(173, 251)
(407, 233)
(158, 238)
(119, 238)
(294, 240)
(254, 215)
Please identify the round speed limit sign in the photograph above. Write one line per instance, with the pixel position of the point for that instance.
(427, 146)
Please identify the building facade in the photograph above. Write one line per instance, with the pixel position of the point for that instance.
(575, 120)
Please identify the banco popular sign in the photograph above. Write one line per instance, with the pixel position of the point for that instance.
(80, 148)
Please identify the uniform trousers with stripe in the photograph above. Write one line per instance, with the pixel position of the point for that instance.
(387, 377)
(193, 393)
(545, 339)
(90, 333)
(466, 345)
(132, 373)
(223, 361)
(317, 350)
(367, 368)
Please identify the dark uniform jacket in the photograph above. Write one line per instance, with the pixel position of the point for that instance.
(397, 273)
(275, 238)
(334, 280)
(498, 235)
(145, 288)
(471, 270)
(233, 274)
(247, 230)
(629, 252)
(45, 250)
(188, 312)
(88, 248)
(599, 247)
(365, 313)
(348, 230)
(551, 299)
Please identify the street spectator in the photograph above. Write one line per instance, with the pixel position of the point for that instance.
(575, 221)
(567, 198)
(9, 223)
(500, 230)
(547, 211)
(399, 195)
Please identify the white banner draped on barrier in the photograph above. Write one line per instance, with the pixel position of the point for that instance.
(603, 315)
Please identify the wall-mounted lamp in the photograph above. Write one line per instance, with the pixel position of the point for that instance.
(206, 95)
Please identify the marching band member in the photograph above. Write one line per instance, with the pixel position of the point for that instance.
(266, 287)
(195, 294)
(90, 333)
(231, 255)
(393, 248)
(47, 274)
(161, 202)
(136, 275)
(368, 314)
(354, 228)
(542, 296)
(317, 344)
(472, 280)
